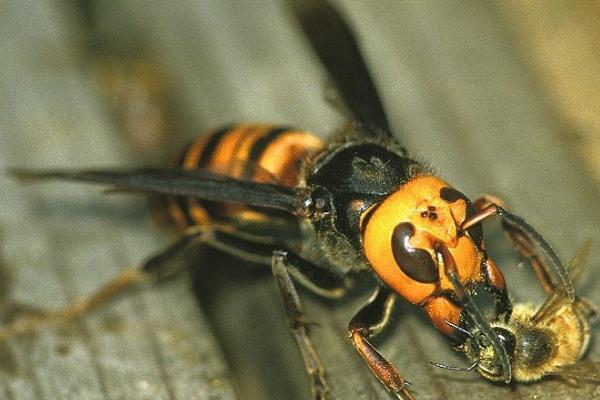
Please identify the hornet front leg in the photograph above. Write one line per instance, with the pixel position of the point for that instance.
(369, 321)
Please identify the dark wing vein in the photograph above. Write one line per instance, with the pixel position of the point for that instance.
(199, 184)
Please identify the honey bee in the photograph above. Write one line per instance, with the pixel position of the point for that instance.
(544, 341)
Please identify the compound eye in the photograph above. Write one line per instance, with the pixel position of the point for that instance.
(416, 263)
(507, 339)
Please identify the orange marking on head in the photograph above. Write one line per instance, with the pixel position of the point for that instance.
(435, 221)
(439, 310)
(468, 260)
(494, 274)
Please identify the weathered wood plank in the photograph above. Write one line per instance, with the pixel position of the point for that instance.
(60, 243)
(458, 94)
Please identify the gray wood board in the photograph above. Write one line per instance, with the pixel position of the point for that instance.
(60, 242)
(458, 95)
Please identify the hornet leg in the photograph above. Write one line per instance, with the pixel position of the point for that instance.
(286, 265)
(156, 267)
(522, 243)
(367, 323)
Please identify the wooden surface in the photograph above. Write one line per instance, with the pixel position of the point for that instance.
(460, 95)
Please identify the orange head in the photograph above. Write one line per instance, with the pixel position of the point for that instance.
(402, 232)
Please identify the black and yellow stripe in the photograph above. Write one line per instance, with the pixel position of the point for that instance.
(256, 152)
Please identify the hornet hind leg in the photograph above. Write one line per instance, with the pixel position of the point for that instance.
(157, 267)
(285, 266)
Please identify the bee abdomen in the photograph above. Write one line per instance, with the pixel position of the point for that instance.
(256, 152)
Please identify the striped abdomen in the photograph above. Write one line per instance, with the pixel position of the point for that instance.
(257, 152)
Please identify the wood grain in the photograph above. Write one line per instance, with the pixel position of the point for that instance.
(458, 93)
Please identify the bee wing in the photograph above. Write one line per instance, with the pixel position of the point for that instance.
(336, 46)
(581, 371)
(177, 182)
(579, 260)
(560, 295)
(550, 307)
